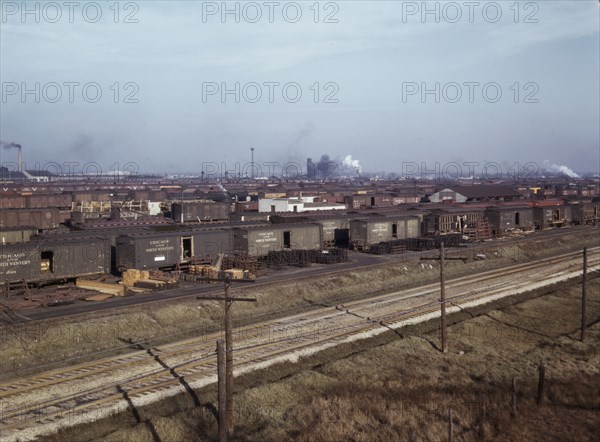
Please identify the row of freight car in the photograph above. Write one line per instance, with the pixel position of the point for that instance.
(95, 251)
(81, 253)
(46, 218)
(64, 200)
(108, 249)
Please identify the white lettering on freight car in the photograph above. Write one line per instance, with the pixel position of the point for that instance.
(161, 245)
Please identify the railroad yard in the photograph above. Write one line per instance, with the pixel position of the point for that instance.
(329, 311)
(325, 221)
(112, 298)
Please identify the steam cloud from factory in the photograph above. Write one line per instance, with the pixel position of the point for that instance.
(551, 167)
(354, 164)
(326, 168)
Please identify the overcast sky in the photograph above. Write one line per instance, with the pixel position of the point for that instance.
(364, 63)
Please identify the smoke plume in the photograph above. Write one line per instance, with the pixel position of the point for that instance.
(6, 145)
(551, 167)
(354, 164)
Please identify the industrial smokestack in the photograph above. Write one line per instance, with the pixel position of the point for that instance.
(6, 145)
(252, 162)
(20, 158)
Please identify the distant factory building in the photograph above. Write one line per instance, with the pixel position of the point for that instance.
(299, 204)
(475, 193)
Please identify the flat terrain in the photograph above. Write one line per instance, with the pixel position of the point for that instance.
(398, 386)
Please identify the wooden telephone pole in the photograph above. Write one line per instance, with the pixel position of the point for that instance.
(584, 297)
(222, 391)
(443, 302)
(228, 304)
(442, 258)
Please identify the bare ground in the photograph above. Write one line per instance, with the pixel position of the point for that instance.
(399, 386)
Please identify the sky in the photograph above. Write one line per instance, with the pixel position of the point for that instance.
(179, 87)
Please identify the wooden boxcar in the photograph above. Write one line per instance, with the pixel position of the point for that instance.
(50, 259)
(508, 218)
(258, 241)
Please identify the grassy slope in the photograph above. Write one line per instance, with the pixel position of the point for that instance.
(398, 388)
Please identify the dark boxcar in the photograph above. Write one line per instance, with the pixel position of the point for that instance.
(405, 226)
(451, 220)
(336, 231)
(551, 215)
(364, 232)
(508, 218)
(249, 216)
(208, 243)
(258, 241)
(103, 196)
(56, 200)
(336, 227)
(42, 219)
(160, 250)
(586, 213)
(369, 231)
(12, 202)
(369, 200)
(16, 234)
(199, 211)
(49, 259)
(148, 251)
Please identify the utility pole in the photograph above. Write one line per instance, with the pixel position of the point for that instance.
(442, 258)
(252, 163)
(541, 382)
(584, 297)
(228, 360)
(450, 425)
(228, 304)
(222, 392)
(443, 301)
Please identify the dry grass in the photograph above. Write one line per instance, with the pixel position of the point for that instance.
(390, 388)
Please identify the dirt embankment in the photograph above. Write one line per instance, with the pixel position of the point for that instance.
(32, 346)
(399, 386)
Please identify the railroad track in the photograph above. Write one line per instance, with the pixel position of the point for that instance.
(40, 404)
(383, 260)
